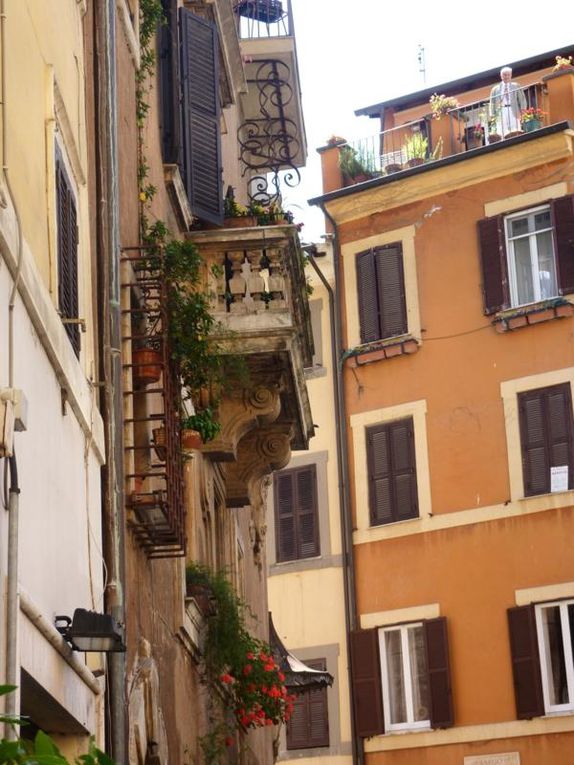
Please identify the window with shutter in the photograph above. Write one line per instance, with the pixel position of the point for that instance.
(392, 472)
(527, 256)
(296, 514)
(546, 437)
(200, 116)
(67, 245)
(381, 293)
(525, 662)
(309, 723)
(366, 683)
(169, 86)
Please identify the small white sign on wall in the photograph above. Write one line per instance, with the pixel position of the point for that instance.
(559, 478)
(508, 758)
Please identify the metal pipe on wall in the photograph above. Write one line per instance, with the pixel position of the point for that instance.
(110, 360)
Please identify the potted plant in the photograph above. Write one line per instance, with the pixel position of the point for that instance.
(236, 215)
(199, 428)
(198, 587)
(357, 165)
(441, 104)
(415, 149)
(531, 119)
(147, 361)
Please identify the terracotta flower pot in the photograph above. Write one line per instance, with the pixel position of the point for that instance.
(494, 137)
(190, 439)
(415, 161)
(393, 168)
(146, 366)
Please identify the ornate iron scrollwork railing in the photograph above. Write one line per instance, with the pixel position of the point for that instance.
(270, 143)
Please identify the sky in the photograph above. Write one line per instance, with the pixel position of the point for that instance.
(361, 52)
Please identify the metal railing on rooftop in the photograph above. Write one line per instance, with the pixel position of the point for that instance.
(461, 129)
(263, 18)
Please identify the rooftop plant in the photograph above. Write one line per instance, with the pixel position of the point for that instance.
(562, 62)
(441, 104)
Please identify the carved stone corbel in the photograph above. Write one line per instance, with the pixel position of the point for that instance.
(238, 414)
(259, 453)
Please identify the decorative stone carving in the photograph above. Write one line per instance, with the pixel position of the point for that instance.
(147, 739)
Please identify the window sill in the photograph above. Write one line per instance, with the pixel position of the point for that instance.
(373, 526)
(547, 494)
(405, 731)
(536, 313)
(380, 350)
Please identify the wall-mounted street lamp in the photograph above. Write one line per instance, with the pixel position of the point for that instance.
(90, 631)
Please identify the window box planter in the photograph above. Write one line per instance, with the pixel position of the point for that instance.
(241, 221)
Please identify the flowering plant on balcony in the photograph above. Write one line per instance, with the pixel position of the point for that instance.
(237, 665)
(441, 104)
(531, 115)
(562, 62)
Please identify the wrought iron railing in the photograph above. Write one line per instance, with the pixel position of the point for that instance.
(463, 128)
(263, 18)
(155, 477)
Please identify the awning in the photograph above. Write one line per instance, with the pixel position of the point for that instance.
(299, 677)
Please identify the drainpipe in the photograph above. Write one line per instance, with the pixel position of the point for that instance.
(12, 662)
(110, 360)
(342, 465)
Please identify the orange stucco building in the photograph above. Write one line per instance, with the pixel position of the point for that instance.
(455, 287)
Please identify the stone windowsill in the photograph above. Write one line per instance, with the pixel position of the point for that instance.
(382, 349)
(536, 313)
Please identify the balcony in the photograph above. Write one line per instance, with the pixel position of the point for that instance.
(272, 137)
(465, 130)
(260, 300)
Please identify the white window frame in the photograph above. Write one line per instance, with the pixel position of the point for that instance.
(411, 723)
(533, 247)
(568, 657)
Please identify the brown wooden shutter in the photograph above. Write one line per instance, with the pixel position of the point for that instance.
(366, 683)
(201, 129)
(392, 472)
(525, 662)
(67, 254)
(563, 221)
(309, 723)
(391, 291)
(493, 264)
(546, 436)
(440, 691)
(285, 540)
(169, 86)
(368, 298)
(296, 514)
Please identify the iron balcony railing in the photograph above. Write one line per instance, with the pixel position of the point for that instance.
(461, 129)
(263, 18)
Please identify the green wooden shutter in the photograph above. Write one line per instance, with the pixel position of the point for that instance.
(67, 244)
(201, 128)
(440, 691)
(392, 476)
(493, 262)
(525, 662)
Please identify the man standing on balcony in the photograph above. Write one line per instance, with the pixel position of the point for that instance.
(506, 103)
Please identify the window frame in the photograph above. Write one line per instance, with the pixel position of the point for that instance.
(410, 724)
(567, 655)
(303, 701)
(295, 512)
(67, 249)
(533, 251)
(388, 428)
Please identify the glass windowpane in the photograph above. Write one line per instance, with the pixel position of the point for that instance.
(546, 266)
(523, 267)
(395, 679)
(518, 226)
(542, 220)
(554, 656)
(419, 675)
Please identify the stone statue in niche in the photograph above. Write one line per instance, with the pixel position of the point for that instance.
(148, 739)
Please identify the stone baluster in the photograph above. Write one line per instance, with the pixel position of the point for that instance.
(216, 281)
(256, 283)
(237, 283)
(276, 279)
